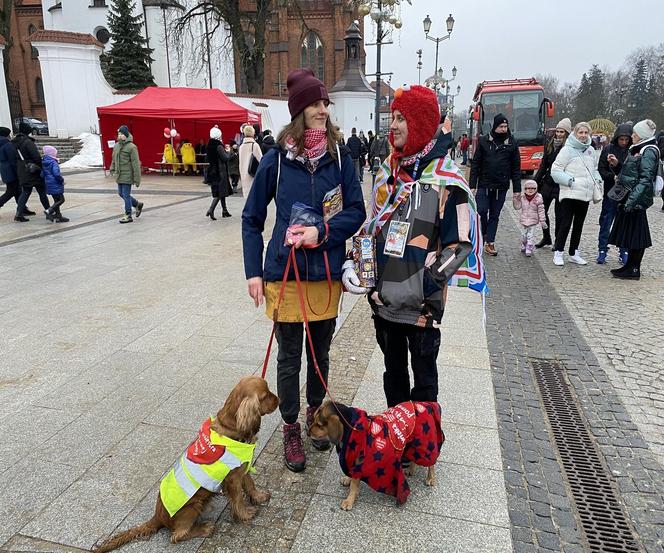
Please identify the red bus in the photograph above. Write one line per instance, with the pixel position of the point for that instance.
(522, 101)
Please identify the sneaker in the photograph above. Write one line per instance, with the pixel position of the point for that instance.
(629, 274)
(293, 449)
(576, 258)
(139, 209)
(558, 259)
(320, 445)
(523, 246)
(529, 250)
(490, 249)
(49, 215)
(126, 219)
(622, 257)
(601, 257)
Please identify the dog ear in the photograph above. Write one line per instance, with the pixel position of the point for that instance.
(335, 430)
(248, 416)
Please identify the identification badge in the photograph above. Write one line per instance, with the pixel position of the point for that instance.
(364, 256)
(333, 203)
(397, 238)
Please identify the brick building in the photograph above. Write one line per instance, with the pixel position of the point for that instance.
(24, 73)
(311, 36)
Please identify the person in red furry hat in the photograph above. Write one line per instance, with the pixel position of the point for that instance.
(420, 222)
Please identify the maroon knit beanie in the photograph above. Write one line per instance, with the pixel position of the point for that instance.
(419, 106)
(304, 89)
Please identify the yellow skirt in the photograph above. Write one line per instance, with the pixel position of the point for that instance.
(316, 293)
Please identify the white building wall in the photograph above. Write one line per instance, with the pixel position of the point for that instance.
(353, 109)
(274, 113)
(5, 116)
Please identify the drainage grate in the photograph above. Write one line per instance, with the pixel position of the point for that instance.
(605, 525)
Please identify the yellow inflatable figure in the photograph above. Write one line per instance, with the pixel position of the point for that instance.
(188, 154)
(170, 156)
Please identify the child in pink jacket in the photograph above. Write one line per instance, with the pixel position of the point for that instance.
(531, 206)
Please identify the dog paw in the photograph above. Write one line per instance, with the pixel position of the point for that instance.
(347, 504)
(178, 536)
(410, 471)
(260, 497)
(246, 514)
(345, 481)
(430, 480)
(206, 529)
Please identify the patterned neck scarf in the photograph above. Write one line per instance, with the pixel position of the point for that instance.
(315, 146)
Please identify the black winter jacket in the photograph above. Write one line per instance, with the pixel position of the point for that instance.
(543, 175)
(356, 147)
(218, 173)
(7, 160)
(26, 145)
(495, 164)
(609, 173)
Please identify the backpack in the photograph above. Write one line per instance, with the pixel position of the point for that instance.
(658, 182)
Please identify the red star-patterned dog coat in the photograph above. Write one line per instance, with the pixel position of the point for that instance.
(374, 449)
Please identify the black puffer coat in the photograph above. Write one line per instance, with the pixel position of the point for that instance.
(495, 163)
(26, 145)
(217, 172)
(609, 173)
(545, 183)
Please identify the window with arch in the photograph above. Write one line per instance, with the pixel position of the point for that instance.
(313, 54)
(39, 85)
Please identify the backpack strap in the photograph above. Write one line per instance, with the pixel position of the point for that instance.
(278, 175)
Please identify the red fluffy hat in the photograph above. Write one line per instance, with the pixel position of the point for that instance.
(419, 106)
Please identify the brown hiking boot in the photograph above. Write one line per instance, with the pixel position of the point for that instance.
(319, 444)
(293, 448)
(490, 249)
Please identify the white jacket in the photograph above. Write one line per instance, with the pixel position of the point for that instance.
(248, 146)
(575, 170)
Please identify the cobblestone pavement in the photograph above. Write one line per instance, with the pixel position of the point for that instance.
(536, 310)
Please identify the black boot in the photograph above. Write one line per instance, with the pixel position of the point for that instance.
(632, 273)
(213, 206)
(225, 213)
(546, 239)
(224, 209)
(20, 219)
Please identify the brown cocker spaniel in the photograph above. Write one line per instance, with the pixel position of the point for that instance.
(240, 420)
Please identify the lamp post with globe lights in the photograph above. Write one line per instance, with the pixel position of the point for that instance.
(384, 14)
(419, 66)
(427, 27)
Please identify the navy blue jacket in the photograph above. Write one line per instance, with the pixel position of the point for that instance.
(297, 184)
(7, 160)
(55, 184)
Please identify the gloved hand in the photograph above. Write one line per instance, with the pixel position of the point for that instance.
(350, 279)
(544, 226)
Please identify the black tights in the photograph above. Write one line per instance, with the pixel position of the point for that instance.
(215, 202)
(58, 200)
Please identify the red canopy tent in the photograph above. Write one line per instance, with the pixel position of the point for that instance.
(191, 111)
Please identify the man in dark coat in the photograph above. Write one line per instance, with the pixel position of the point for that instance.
(610, 164)
(357, 149)
(8, 170)
(495, 162)
(28, 171)
(268, 141)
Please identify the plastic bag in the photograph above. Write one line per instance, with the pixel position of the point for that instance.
(302, 215)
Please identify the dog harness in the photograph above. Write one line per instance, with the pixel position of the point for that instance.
(205, 464)
(375, 448)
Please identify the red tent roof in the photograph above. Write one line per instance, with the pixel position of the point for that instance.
(181, 103)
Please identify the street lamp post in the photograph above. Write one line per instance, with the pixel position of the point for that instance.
(427, 27)
(382, 12)
(419, 66)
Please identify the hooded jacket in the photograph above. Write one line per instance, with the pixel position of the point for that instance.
(638, 173)
(532, 210)
(7, 160)
(607, 172)
(495, 163)
(575, 170)
(55, 184)
(26, 145)
(543, 175)
(298, 184)
(125, 163)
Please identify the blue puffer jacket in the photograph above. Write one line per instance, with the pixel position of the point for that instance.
(297, 184)
(55, 184)
(7, 160)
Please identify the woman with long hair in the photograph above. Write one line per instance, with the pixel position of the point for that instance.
(307, 167)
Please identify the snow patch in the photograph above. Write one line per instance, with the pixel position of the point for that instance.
(90, 154)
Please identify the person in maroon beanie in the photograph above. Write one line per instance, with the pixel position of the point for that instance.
(306, 166)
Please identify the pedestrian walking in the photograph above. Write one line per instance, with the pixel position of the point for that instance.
(55, 184)
(610, 164)
(248, 148)
(464, 145)
(531, 207)
(379, 150)
(421, 223)
(308, 167)
(575, 171)
(234, 164)
(356, 148)
(126, 166)
(495, 163)
(549, 188)
(363, 156)
(28, 171)
(218, 175)
(8, 170)
(630, 230)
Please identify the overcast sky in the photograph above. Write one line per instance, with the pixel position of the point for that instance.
(505, 39)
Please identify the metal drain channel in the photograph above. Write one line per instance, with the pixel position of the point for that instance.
(604, 523)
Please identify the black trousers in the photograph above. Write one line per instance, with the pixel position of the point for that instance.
(289, 358)
(572, 214)
(549, 197)
(58, 200)
(25, 194)
(13, 191)
(395, 341)
(634, 258)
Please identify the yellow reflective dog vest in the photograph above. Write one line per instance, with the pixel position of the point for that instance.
(205, 464)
